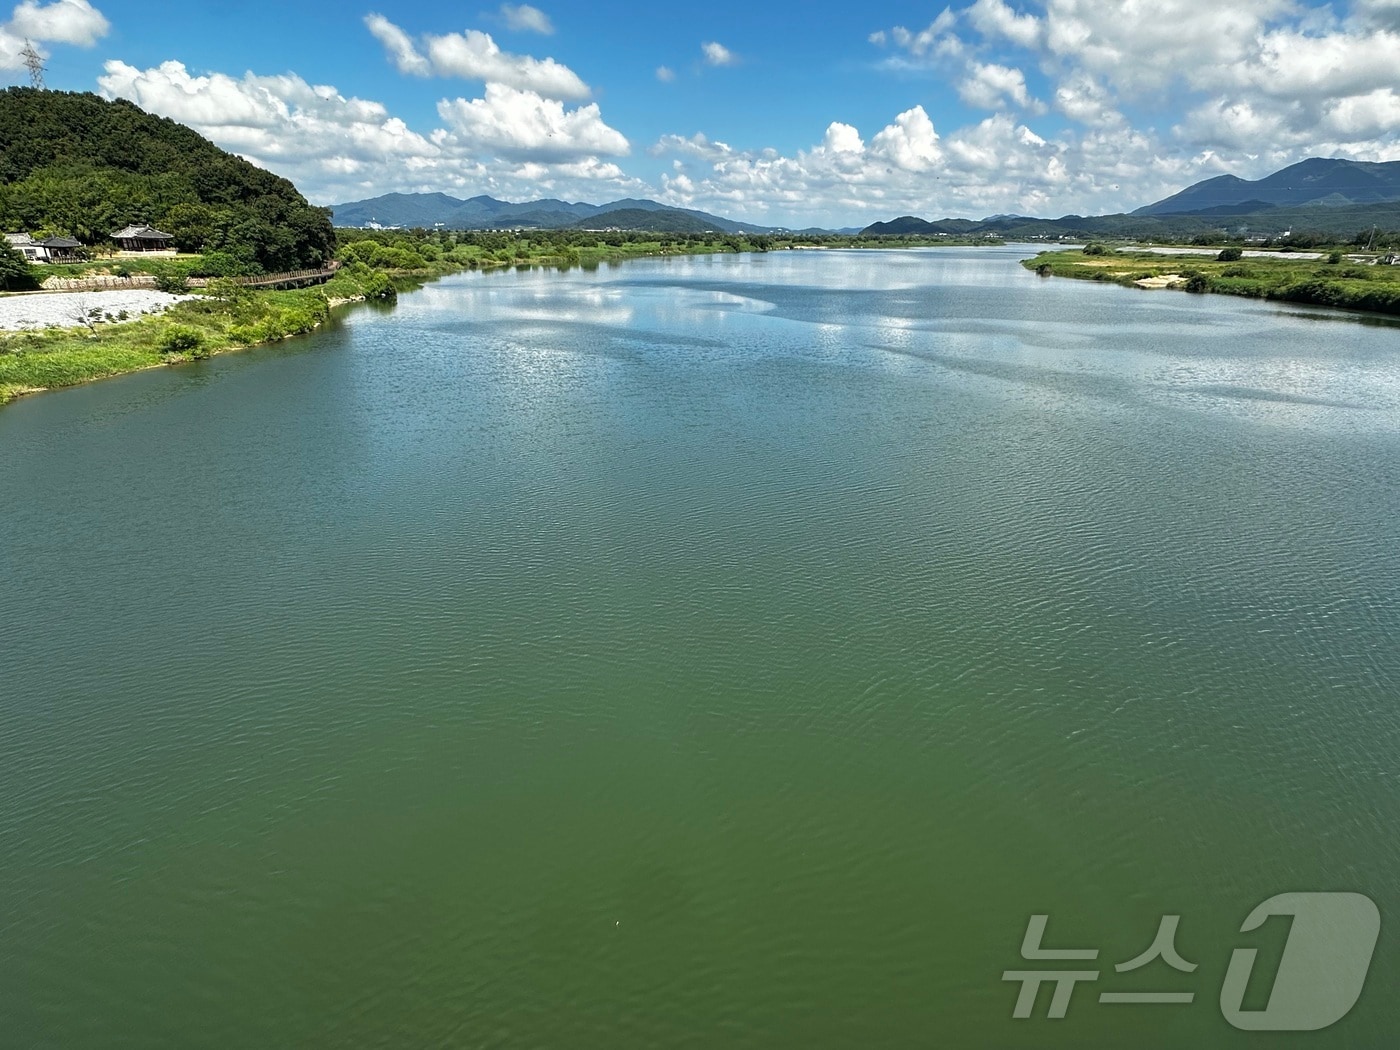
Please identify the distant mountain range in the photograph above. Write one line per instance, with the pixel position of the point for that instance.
(1335, 198)
(1314, 182)
(1329, 196)
(430, 210)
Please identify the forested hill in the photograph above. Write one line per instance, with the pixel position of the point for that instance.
(79, 165)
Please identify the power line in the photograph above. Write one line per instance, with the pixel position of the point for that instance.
(35, 62)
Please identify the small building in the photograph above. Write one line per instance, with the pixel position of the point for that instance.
(32, 250)
(142, 237)
(61, 249)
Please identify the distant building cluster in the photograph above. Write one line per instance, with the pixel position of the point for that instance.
(141, 238)
(50, 249)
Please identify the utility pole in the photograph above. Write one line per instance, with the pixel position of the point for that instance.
(35, 63)
(1372, 240)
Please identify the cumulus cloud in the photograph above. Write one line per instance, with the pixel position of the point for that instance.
(716, 54)
(990, 86)
(510, 143)
(74, 22)
(62, 22)
(908, 166)
(994, 18)
(1081, 97)
(665, 74)
(909, 143)
(1243, 87)
(526, 19)
(474, 55)
(842, 138)
(512, 123)
(270, 118)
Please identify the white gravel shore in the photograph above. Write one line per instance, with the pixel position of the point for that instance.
(62, 309)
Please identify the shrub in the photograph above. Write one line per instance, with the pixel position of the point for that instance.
(1197, 283)
(1334, 258)
(1096, 249)
(1230, 255)
(173, 282)
(228, 292)
(180, 339)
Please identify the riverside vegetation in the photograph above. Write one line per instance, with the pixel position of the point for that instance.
(1333, 280)
(228, 317)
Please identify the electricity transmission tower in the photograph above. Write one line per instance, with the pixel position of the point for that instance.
(35, 62)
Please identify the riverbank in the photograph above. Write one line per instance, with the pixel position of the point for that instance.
(1343, 284)
(188, 328)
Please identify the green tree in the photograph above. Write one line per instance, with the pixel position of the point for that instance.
(15, 272)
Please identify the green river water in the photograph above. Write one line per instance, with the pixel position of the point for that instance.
(704, 652)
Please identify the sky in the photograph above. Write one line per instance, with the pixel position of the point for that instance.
(783, 113)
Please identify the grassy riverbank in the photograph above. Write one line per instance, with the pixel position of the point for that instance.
(229, 318)
(1320, 282)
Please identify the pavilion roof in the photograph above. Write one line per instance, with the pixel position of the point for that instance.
(142, 232)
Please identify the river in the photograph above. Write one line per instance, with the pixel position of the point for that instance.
(707, 651)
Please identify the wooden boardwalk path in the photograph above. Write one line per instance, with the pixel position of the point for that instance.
(290, 279)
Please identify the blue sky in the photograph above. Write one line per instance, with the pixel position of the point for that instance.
(779, 112)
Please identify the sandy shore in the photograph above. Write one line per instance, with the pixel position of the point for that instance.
(63, 309)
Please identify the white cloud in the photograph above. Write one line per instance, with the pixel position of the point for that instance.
(696, 145)
(474, 55)
(527, 19)
(998, 165)
(989, 86)
(268, 118)
(935, 38)
(665, 74)
(62, 22)
(1140, 46)
(843, 138)
(995, 18)
(1244, 87)
(1081, 97)
(716, 54)
(910, 142)
(512, 123)
(74, 22)
(399, 46)
(511, 144)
